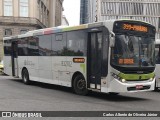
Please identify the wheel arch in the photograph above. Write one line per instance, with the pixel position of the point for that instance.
(24, 68)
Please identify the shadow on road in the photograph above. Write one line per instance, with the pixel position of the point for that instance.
(45, 85)
(117, 98)
(103, 96)
(3, 74)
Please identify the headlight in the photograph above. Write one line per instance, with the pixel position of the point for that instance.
(118, 78)
(151, 79)
(123, 80)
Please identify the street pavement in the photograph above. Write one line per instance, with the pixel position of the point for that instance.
(15, 96)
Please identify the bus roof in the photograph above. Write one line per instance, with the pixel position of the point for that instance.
(46, 31)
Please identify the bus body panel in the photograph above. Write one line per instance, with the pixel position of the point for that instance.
(74, 67)
(54, 70)
(30, 63)
(157, 72)
(124, 87)
(45, 68)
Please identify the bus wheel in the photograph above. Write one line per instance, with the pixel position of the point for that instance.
(79, 85)
(25, 77)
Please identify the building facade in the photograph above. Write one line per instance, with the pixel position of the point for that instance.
(92, 11)
(145, 10)
(56, 8)
(64, 21)
(84, 11)
(20, 16)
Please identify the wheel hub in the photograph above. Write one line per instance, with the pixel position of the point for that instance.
(81, 84)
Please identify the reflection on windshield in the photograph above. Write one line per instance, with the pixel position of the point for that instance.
(133, 51)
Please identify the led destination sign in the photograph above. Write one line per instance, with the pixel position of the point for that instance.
(133, 27)
(126, 61)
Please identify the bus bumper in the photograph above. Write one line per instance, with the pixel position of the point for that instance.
(131, 86)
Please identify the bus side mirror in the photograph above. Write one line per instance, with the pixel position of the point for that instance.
(112, 39)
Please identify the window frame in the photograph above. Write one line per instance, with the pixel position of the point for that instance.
(8, 12)
(23, 31)
(157, 56)
(25, 5)
(77, 41)
(47, 51)
(7, 30)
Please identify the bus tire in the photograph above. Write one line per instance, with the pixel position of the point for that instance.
(25, 77)
(79, 85)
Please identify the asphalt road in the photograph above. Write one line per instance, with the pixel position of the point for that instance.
(15, 96)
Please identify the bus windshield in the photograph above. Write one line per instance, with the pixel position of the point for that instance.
(133, 51)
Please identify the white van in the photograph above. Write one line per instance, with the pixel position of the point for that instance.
(157, 71)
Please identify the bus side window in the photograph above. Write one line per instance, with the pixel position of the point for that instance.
(7, 48)
(76, 43)
(157, 54)
(23, 47)
(45, 45)
(59, 44)
(33, 46)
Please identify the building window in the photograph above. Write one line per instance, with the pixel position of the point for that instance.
(8, 8)
(38, 9)
(47, 18)
(137, 9)
(41, 12)
(23, 31)
(24, 8)
(7, 32)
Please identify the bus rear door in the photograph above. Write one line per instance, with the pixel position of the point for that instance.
(14, 58)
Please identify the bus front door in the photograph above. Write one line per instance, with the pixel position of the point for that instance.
(94, 60)
(14, 58)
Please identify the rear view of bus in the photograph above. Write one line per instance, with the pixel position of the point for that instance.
(157, 71)
(132, 57)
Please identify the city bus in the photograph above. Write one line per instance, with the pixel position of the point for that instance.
(113, 56)
(157, 71)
